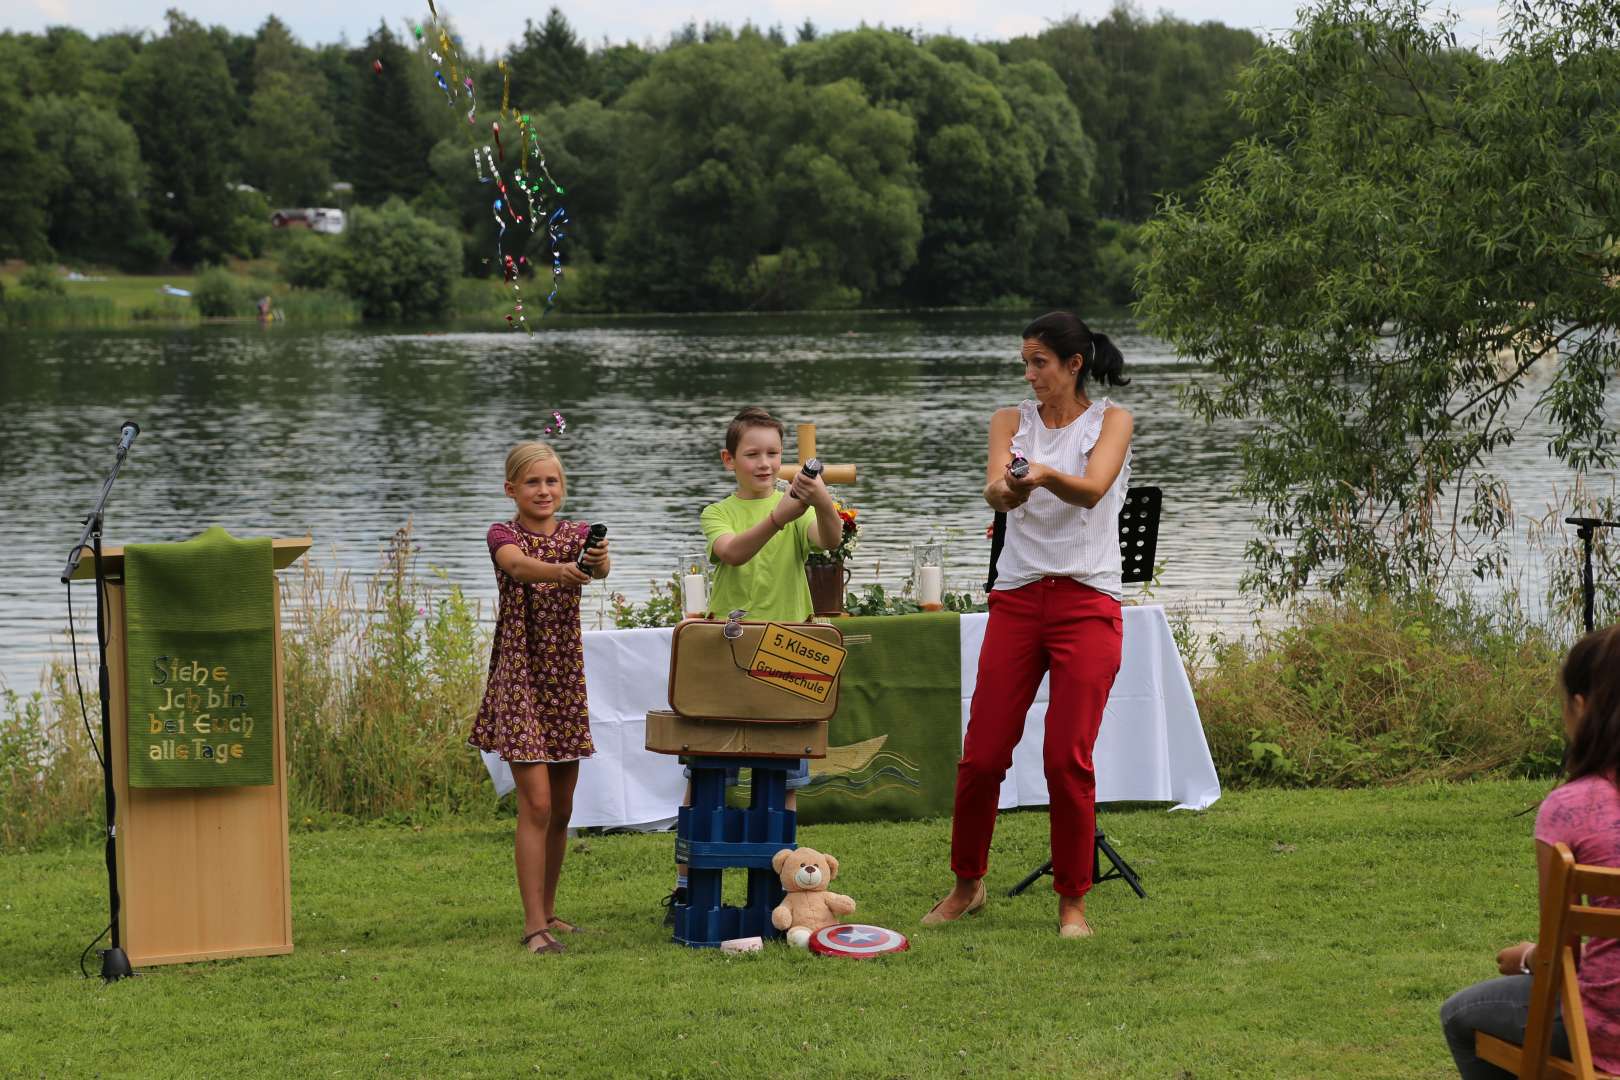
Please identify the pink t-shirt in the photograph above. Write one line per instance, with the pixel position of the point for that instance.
(1585, 814)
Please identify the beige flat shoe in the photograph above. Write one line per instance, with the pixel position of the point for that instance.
(935, 917)
(1074, 929)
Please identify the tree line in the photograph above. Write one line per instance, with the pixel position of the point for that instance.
(727, 168)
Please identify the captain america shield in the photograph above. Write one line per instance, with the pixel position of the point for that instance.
(857, 941)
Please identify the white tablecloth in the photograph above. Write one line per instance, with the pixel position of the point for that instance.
(1151, 747)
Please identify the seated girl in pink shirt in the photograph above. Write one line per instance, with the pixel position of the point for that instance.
(1584, 812)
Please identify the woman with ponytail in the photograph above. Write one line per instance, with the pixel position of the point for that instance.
(1058, 468)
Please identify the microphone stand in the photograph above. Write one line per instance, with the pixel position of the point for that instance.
(114, 961)
(1586, 528)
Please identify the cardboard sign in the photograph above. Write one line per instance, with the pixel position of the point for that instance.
(796, 663)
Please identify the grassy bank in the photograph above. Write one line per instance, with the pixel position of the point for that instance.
(124, 300)
(1287, 934)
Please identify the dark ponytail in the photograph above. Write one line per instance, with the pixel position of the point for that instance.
(1067, 335)
(1592, 670)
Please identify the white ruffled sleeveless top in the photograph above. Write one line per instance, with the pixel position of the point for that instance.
(1047, 537)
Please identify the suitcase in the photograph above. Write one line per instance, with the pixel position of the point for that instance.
(709, 680)
(671, 733)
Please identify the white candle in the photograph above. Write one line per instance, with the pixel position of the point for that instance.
(695, 595)
(930, 587)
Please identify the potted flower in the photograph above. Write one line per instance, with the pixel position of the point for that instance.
(826, 571)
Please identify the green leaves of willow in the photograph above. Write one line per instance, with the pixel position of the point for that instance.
(1415, 248)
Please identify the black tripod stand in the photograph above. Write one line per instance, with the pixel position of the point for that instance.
(1586, 528)
(1138, 540)
(114, 961)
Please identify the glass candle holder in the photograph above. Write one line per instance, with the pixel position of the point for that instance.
(693, 574)
(928, 573)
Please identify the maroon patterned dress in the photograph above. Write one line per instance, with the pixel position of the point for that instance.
(534, 704)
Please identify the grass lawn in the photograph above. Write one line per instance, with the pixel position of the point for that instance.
(128, 291)
(1299, 933)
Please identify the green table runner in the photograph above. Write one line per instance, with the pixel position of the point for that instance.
(897, 736)
(200, 630)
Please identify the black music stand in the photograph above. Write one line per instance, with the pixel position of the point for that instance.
(1138, 541)
(1586, 529)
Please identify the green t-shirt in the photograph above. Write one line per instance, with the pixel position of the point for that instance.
(771, 585)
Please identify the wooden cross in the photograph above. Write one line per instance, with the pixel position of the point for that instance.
(830, 474)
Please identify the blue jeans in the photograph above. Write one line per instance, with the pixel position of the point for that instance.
(1499, 1007)
(797, 777)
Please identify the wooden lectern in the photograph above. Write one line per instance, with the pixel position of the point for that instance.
(203, 873)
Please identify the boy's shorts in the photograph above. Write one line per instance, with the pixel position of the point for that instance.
(797, 777)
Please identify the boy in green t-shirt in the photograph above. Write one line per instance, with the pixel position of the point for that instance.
(758, 538)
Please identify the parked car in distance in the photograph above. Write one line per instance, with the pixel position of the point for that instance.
(321, 219)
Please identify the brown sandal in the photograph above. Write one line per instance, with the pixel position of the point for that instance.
(550, 945)
(563, 926)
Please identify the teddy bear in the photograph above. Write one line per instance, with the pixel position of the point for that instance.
(808, 906)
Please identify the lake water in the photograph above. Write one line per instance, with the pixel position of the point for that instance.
(348, 434)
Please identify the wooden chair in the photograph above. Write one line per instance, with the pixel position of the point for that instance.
(1566, 918)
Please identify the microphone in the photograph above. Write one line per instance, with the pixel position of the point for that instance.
(126, 436)
(598, 531)
(812, 469)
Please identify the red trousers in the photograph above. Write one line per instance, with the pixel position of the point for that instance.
(1071, 630)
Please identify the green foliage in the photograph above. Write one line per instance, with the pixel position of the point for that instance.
(23, 220)
(387, 124)
(50, 784)
(1152, 97)
(1414, 238)
(726, 169)
(286, 143)
(92, 174)
(310, 306)
(218, 294)
(1003, 166)
(179, 98)
(1117, 258)
(876, 600)
(308, 260)
(42, 280)
(380, 693)
(661, 608)
(549, 64)
(400, 265)
(1375, 692)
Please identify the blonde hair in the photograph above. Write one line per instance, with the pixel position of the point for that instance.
(525, 454)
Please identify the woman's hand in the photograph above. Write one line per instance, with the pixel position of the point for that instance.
(1036, 477)
(1514, 959)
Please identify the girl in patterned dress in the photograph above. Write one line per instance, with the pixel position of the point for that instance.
(534, 713)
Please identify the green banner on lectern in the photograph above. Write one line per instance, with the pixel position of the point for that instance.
(200, 633)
